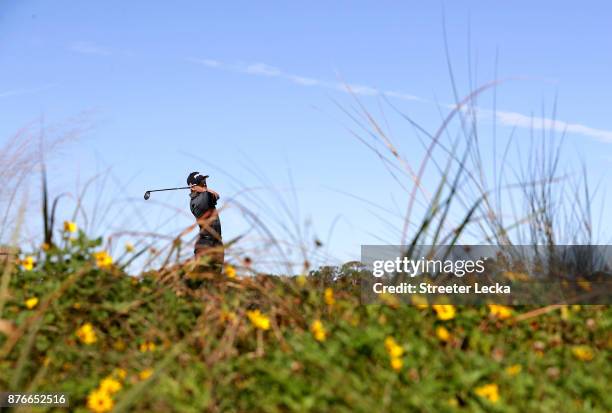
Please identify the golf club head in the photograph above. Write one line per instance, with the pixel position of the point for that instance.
(147, 195)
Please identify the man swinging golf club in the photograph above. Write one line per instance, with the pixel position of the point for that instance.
(202, 204)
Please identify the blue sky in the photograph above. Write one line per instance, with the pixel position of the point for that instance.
(252, 88)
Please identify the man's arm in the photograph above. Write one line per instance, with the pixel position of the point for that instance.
(201, 189)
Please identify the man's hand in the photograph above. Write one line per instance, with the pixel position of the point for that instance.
(196, 188)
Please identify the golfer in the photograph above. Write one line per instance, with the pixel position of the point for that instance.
(202, 204)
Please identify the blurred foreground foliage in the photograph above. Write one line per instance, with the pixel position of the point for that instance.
(180, 340)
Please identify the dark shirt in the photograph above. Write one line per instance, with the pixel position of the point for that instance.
(200, 203)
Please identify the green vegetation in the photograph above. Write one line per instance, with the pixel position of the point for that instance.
(179, 340)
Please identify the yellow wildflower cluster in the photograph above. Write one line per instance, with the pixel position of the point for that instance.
(500, 311)
(443, 334)
(395, 353)
(318, 331)
(444, 311)
(86, 334)
(513, 370)
(258, 319)
(103, 259)
(230, 271)
(147, 346)
(28, 263)
(30, 303)
(70, 226)
(100, 400)
(145, 374)
(329, 297)
(110, 385)
(488, 391)
(583, 353)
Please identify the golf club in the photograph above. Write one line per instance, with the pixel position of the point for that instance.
(147, 194)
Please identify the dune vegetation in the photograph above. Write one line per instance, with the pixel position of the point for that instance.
(179, 339)
(173, 337)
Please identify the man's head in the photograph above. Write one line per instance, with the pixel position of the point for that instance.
(195, 178)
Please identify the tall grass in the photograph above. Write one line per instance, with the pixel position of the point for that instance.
(537, 200)
(214, 355)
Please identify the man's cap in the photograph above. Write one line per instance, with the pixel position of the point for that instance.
(196, 178)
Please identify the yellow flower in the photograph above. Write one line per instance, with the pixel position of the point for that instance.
(397, 363)
(318, 331)
(259, 320)
(389, 299)
(584, 284)
(583, 353)
(329, 297)
(444, 311)
(145, 374)
(500, 311)
(301, 280)
(228, 316)
(516, 276)
(565, 312)
(129, 247)
(109, 385)
(443, 334)
(394, 349)
(30, 303)
(86, 334)
(28, 263)
(514, 369)
(119, 345)
(419, 301)
(70, 226)
(488, 391)
(119, 372)
(230, 271)
(99, 401)
(103, 260)
(147, 346)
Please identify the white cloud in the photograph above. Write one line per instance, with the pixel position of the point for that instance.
(403, 96)
(524, 121)
(358, 89)
(506, 118)
(262, 69)
(306, 81)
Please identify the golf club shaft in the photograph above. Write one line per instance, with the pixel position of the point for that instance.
(169, 189)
